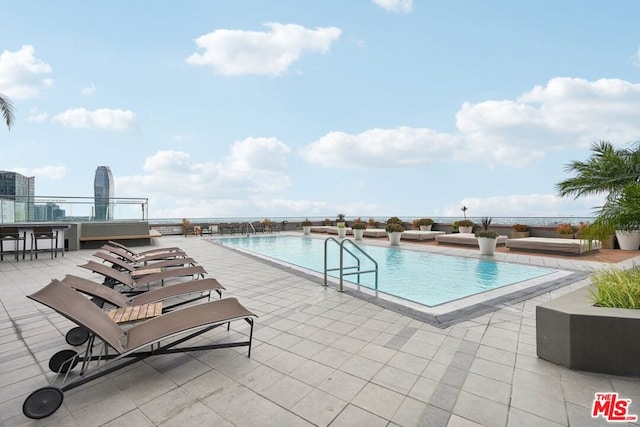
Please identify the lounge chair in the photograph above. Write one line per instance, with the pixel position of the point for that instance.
(154, 256)
(114, 277)
(121, 347)
(118, 299)
(129, 267)
(142, 253)
(101, 293)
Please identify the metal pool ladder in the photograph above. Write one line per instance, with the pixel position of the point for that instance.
(354, 269)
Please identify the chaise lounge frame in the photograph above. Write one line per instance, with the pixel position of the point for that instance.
(120, 347)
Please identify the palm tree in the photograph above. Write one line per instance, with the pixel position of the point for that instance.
(6, 107)
(608, 170)
(614, 172)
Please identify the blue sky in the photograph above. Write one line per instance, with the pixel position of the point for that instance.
(311, 108)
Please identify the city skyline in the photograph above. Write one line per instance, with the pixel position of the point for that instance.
(291, 109)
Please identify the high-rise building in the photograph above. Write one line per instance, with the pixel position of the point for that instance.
(17, 196)
(103, 193)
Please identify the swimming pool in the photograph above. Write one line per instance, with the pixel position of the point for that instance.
(425, 278)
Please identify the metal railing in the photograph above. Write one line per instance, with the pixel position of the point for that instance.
(356, 268)
(18, 209)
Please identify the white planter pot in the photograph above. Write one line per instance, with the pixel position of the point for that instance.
(425, 228)
(465, 230)
(487, 245)
(306, 229)
(628, 240)
(394, 238)
(358, 234)
(342, 232)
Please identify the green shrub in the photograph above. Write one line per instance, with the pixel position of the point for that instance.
(487, 233)
(394, 227)
(617, 288)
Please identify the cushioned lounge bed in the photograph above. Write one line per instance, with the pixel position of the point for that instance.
(466, 239)
(375, 232)
(421, 235)
(554, 245)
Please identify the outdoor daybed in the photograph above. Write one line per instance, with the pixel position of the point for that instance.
(375, 232)
(554, 245)
(466, 239)
(421, 235)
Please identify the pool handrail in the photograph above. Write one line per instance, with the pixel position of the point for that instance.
(342, 267)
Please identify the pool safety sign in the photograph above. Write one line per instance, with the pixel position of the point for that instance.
(612, 408)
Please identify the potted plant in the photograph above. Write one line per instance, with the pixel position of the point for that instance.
(425, 224)
(187, 228)
(565, 230)
(326, 222)
(394, 228)
(371, 222)
(340, 220)
(487, 239)
(306, 226)
(465, 226)
(520, 231)
(342, 230)
(358, 228)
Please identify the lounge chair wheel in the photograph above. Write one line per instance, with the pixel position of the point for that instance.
(42, 402)
(77, 336)
(63, 361)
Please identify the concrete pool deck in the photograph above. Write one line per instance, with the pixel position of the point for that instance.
(320, 357)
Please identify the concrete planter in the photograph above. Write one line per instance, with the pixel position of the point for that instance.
(358, 233)
(487, 245)
(342, 232)
(572, 332)
(628, 240)
(426, 227)
(465, 230)
(306, 229)
(520, 234)
(394, 238)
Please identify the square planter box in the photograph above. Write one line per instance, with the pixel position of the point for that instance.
(572, 332)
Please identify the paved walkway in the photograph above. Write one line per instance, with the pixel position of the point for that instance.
(320, 357)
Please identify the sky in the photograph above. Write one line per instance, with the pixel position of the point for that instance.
(289, 108)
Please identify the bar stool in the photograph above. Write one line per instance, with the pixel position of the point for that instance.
(12, 234)
(44, 232)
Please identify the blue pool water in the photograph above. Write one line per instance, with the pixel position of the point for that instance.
(426, 278)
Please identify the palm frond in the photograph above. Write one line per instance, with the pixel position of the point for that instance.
(7, 110)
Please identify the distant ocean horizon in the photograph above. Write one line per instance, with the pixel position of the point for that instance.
(496, 220)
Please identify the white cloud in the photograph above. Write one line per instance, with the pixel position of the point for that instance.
(89, 90)
(238, 52)
(524, 205)
(564, 114)
(22, 75)
(403, 146)
(404, 6)
(37, 116)
(254, 167)
(52, 172)
(103, 118)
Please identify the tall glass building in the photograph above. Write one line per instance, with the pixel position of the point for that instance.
(103, 194)
(16, 197)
